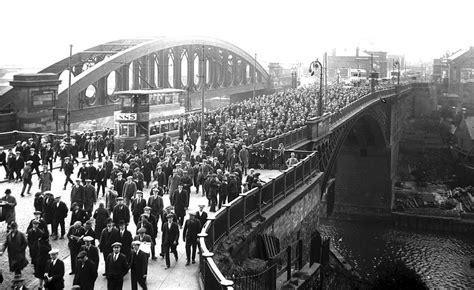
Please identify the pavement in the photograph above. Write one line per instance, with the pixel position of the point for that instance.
(178, 276)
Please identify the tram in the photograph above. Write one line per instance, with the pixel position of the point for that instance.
(146, 115)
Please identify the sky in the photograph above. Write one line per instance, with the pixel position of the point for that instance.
(38, 33)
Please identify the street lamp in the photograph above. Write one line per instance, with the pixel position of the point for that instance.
(396, 65)
(203, 75)
(68, 108)
(313, 66)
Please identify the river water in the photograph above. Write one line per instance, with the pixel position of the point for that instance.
(441, 259)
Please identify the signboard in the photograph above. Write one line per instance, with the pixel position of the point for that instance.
(125, 116)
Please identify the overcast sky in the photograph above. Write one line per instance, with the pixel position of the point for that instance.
(38, 33)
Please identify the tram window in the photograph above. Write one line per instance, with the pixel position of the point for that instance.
(161, 99)
(142, 130)
(127, 130)
(168, 99)
(153, 99)
(143, 100)
(174, 126)
(155, 130)
(164, 128)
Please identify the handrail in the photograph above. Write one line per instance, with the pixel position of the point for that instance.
(262, 199)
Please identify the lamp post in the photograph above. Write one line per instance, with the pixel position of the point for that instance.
(68, 108)
(314, 65)
(202, 97)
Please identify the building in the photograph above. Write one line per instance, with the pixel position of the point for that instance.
(339, 66)
(464, 140)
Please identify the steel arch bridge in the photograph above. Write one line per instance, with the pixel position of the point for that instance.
(163, 62)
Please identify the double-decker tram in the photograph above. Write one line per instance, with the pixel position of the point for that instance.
(146, 115)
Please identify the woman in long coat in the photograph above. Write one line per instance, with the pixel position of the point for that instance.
(16, 244)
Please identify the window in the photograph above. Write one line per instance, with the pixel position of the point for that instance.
(126, 129)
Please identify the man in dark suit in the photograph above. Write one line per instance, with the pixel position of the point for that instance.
(86, 272)
(144, 238)
(169, 239)
(155, 202)
(91, 251)
(192, 227)
(116, 267)
(59, 214)
(101, 179)
(75, 235)
(77, 194)
(138, 266)
(201, 215)
(125, 239)
(138, 204)
(54, 272)
(181, 201)
(108, 237)
(121, 212)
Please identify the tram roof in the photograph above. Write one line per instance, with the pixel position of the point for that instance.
(147, 92)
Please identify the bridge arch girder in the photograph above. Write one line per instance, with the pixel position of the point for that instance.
(222, 73)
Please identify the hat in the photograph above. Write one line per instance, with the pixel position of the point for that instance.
(192, 213)
(8, 191)
(89, 222)
(136, 243)
(67, 158)
(122, 222)
(29, 162)
(37, 212)
(109, 221)
(139, 192)
(141, 230)
(35, 222)
(144, 214)
(116, 244)
(81, 254)
(78, 179)
(170, 215)
(129, 177)
(88, 180)
(170, 207)
(119, 198)
(119, 173)
(88, 239)
(147, 208)
(53, 251)
(57, 197)
(202, 205)
(77, 223)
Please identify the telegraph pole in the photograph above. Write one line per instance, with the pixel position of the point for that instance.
(255, 75)
(68, 108)
(202, 97)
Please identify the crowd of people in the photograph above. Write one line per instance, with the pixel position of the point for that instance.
(134, 183)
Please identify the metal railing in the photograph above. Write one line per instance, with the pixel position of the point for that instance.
(259, 200)
(264, 280)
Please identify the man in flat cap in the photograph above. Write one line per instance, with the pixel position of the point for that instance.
(36, 160)
(45, 179)
(138, 204)
(129, 189)
(26, 177)
(138, 266)
(90, 197)
(91, 250)
(169, 240)
(77, 193)
(144, 238)
(121, 212)
(86, 272)
(54, 272)
(60, 211)
(116, 267)
(192, 227)
(125, 239)
(108, 237)
(75, 235)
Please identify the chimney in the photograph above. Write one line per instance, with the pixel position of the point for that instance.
(357, 51)
(333, 53)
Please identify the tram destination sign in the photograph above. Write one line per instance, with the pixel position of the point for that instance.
(125, 116)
